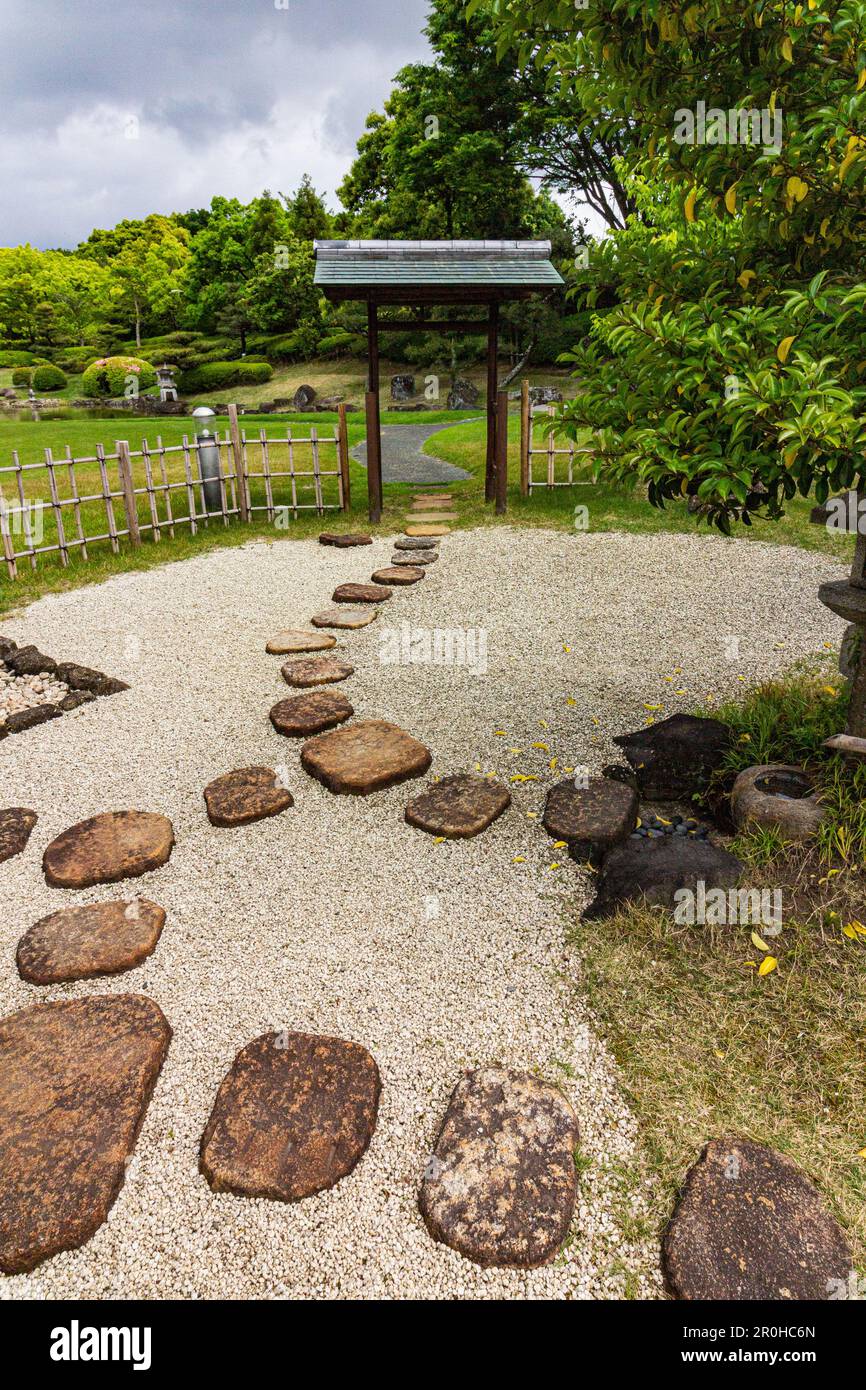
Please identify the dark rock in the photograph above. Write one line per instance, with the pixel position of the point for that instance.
(402, 387)
(360, 593)
(344, 539)
(315, 670)
(592, 819)
(304, 397)
(30, 661)
(303, 715)
(16, 827)
(652, 870)
(7, 647)
(365, 757)
(500, 1187)
(246, 795)
(395, 574)
(108, 848)
(617, 773)
(415, 543)
(83, 678)
(675, 759)
(849, 652)
(458, 806)
(75, 1083)
(751, 1226)
(78, 943)
(293, 1116)
(28, 718)
(75, 699)
(462, 394)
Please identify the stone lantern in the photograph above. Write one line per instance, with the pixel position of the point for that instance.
(166, 382)
(847, 598)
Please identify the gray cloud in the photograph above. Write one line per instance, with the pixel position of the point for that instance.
(115, 108)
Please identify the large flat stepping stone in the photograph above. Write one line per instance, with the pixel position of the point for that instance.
(436, 517)
(108, 848)
(592, 819)
(294, 1114)
(653, 871)
(315, 670)
(431, 497)
(458, 806)
(360, 593)
(394, 574)
(344, 539)
(78, 943)
(414, 543)
(500, 1187)
(428, 530)
(414, 557)
(365, 757)
(303, 715)
(296, 640)
(75, 1081)
(676, 759)
(16, 827)
(751, 1225)
(344, 617)
(246, 795)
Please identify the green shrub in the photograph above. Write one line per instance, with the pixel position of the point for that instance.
(14, 358)
(108, 376)
(76, 360)
(21, 376)
(212, 376)
(48, 379)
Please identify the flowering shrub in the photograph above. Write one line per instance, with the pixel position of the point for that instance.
(111, 376)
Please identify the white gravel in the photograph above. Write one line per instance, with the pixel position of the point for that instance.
(337, 917)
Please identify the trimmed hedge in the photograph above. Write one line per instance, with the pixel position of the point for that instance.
(107, 376)
(212, 376)
(48, 379)
(19, 359)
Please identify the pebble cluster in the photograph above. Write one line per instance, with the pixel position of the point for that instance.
(337, 917)
(651, 827)
(25, 692)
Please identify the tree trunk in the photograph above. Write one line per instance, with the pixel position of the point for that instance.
(137, 324)
(516, 370)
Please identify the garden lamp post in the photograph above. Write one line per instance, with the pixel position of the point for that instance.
(208, 461)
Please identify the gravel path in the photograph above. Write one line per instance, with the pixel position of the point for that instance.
(337, 917)
(403, 457)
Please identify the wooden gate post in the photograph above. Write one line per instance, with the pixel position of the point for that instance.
(124, 467)
(374, 432)
(525, 438)
(238, 457)
(343, 445)
(492, 379)
(501, 479)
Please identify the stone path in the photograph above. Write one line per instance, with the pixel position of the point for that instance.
(403, 457)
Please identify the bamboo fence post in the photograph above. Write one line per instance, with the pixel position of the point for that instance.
(266, 470)
(107, 498)
(343, 451)
(551, 451)
(317, 474)
(124, 468)
(25, 510)
(292, 479)
(8, 547)
(56, 507)
(525, 438)
(76, 502)
(190, 491)
(239, 461)
(160, 448)
(151, 495)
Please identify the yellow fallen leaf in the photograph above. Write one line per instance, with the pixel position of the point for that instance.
(568, 769)
(768, 965)
(542, 723)
(555, 865)
(515, 750)
(595, 721)
(849, 932)
(689, 206)
(758, 943)
(560, 844)
(565, 648)
(752, 963)
(861, 1153)
(552, 763)
(652, 706)
(500, 733)
(571, 700)
(543, 746)
(518, 859)
(785, 347)
(437, 839)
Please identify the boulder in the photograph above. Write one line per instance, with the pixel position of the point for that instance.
(591, 819)
(780, 796)
(75, 1083)
(303, 715)
(79, 943)
(246, 795)
(365, 757)
(30, 661)
(463, 394)
(304, 397)
(83, 678)
(402, 387)
(16, 827)
(675, 760)
(652, 872)
(500, 1187)
(29, 718)
(108, 848)
(293, 1116)
(458, 806)
(750, 1225)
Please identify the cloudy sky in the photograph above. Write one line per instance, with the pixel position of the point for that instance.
(117, 108)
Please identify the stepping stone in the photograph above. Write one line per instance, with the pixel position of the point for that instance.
(414, 543)
(296, 640)
(414, 557)
(592, 819)
(246, 795)
(675, 759)
(108, 848)
(75, 1083)
(653, 871)
(394, 574)
(78, 943)
(500, 1187)
(344, 617)
(365, 757)
(431, 516)
(458, 806)
(315, 670)
(751, 1226)
(428, 531)
(342, 539)
(16, 827)
(360, 593)
(293, 1116)
(303, 715)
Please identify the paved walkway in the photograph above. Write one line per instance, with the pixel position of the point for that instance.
(403, 457)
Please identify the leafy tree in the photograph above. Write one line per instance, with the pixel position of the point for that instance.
(309, 219)
(147, 262)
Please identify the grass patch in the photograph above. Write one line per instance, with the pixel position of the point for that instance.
(705, 1046)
